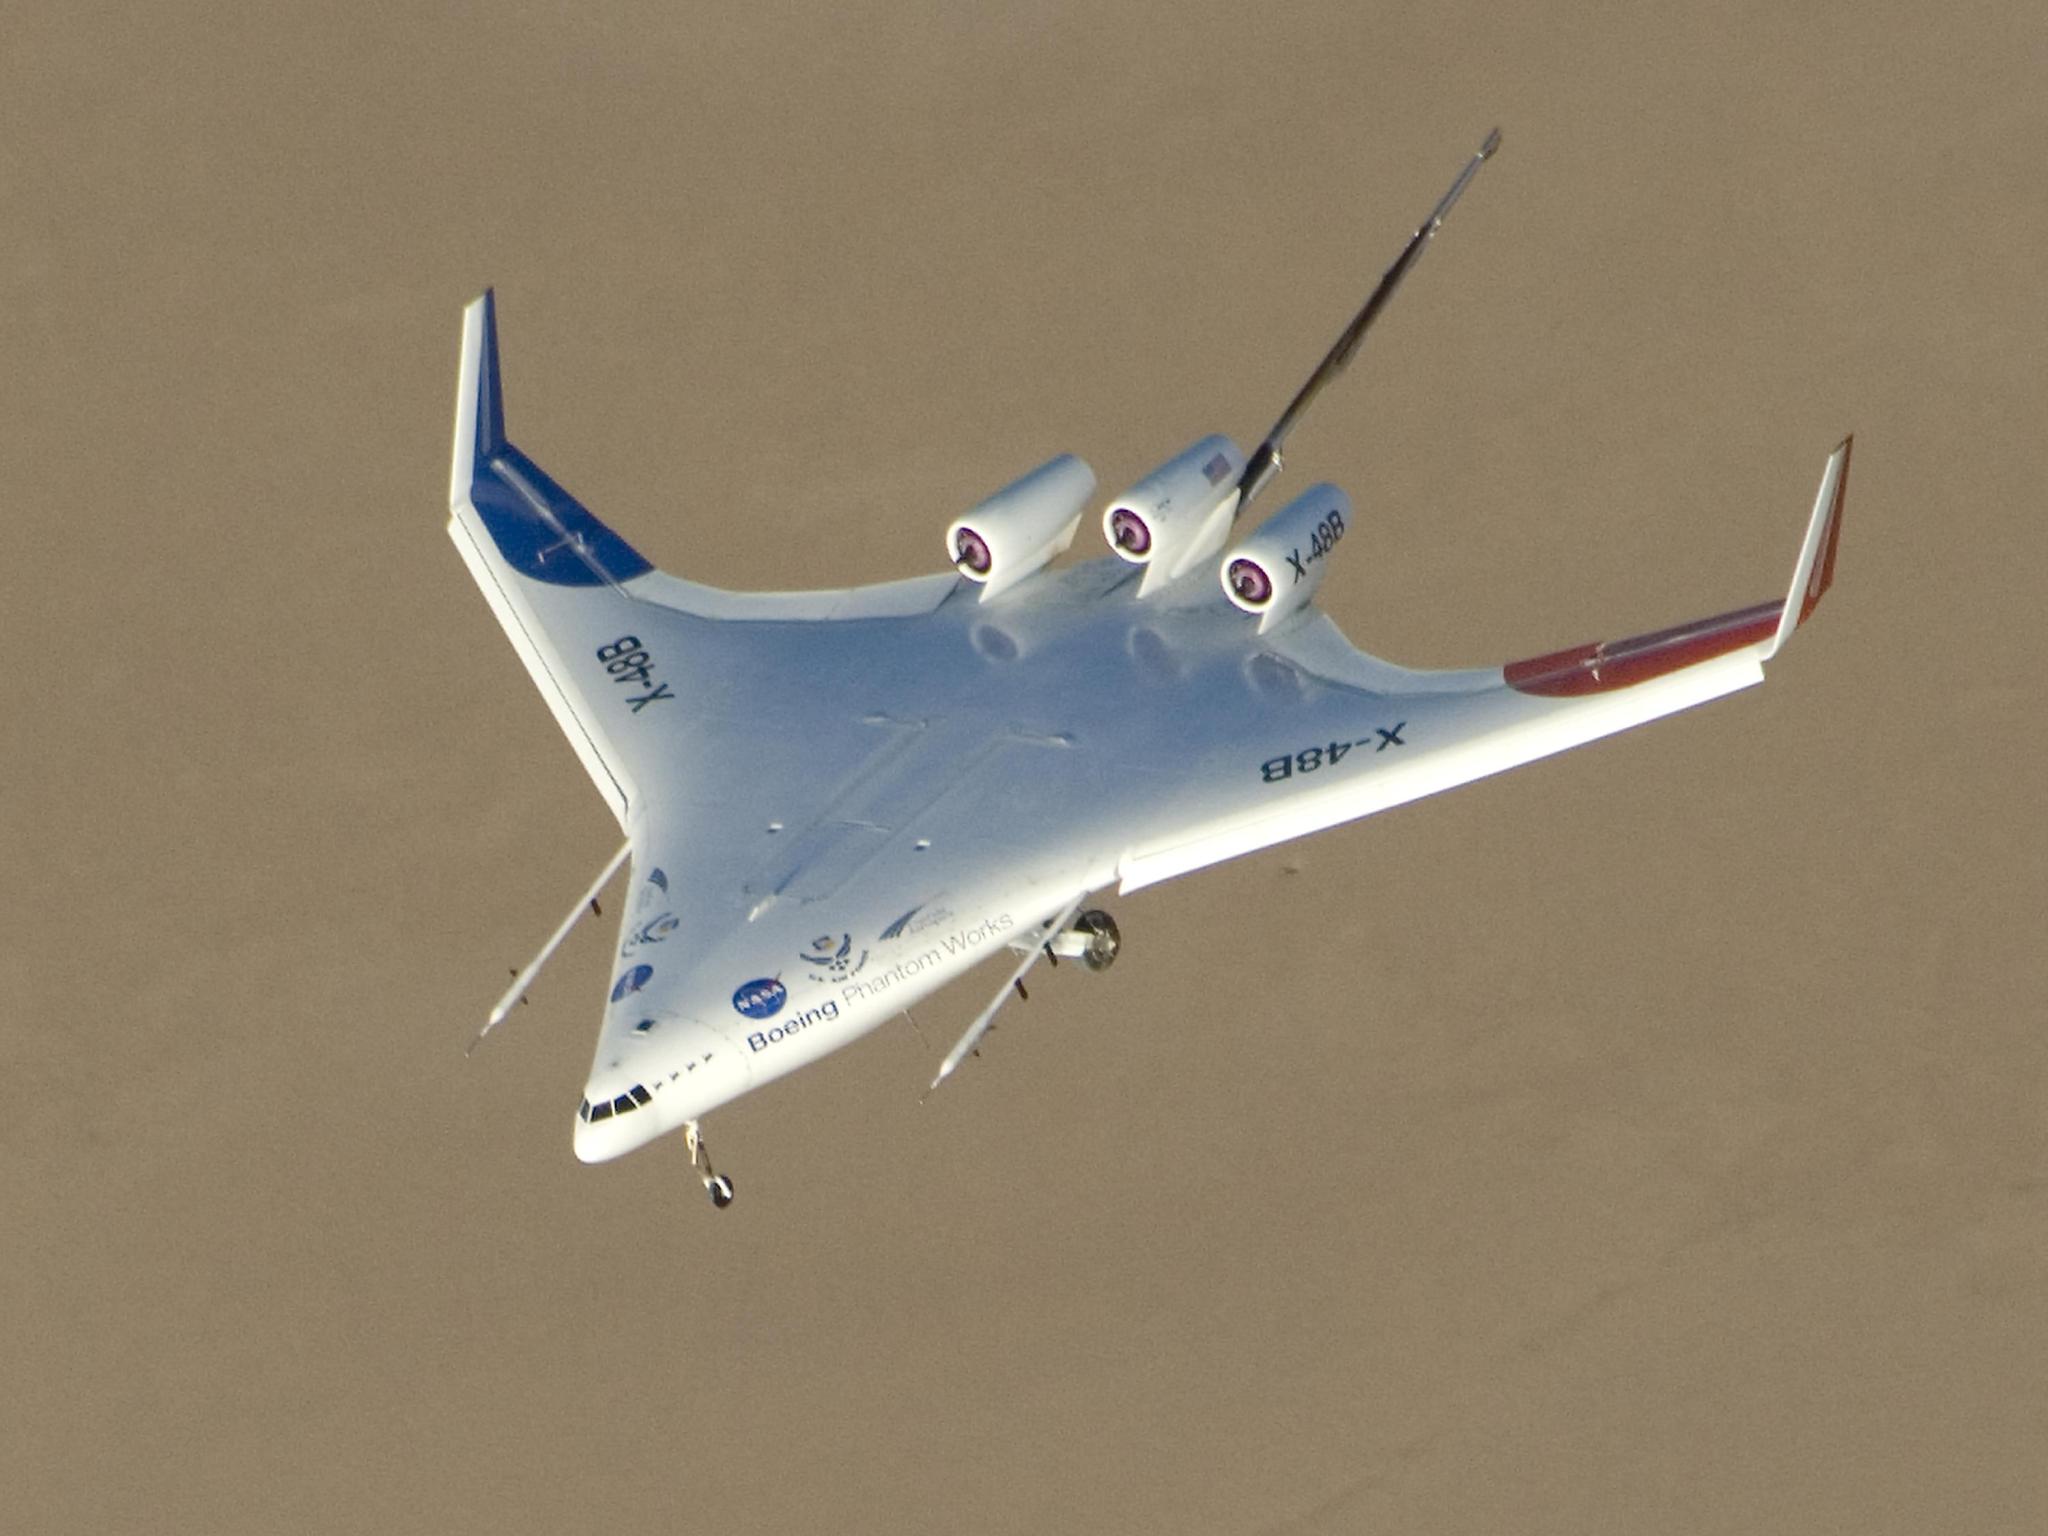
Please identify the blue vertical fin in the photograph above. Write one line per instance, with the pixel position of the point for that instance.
(490, 393)
(540, 530)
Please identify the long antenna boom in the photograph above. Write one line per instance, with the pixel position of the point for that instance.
(515, 993)
(1265, 462)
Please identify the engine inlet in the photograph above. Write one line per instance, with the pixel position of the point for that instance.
(1129, 533)
(971, 554)
(1248, 579)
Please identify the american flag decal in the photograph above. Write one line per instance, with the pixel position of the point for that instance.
(1217, 469)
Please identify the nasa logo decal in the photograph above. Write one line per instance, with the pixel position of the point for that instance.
(761, 998)
(632, 981)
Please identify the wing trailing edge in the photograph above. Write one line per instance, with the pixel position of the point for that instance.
(1602, 666)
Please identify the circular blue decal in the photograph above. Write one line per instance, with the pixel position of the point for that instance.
(761, 999)
(631, 982)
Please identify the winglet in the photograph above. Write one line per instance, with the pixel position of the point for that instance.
(480, 399)
(1815, 572)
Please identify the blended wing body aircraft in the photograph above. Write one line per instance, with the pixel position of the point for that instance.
(837, 801)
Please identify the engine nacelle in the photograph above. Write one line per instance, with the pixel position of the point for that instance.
(1004, 539)
(1277, 569)
(1178, 515)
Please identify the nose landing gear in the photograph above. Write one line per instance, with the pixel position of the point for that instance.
(716, 1184)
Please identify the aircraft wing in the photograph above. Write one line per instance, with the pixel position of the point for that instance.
(595, 623)
(1369, 736)
(781, 749)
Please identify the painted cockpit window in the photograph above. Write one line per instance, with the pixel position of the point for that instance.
(624, 1104)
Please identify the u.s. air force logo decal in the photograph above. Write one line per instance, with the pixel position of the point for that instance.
(832, 958)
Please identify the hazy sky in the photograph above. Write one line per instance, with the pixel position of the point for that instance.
(1652, 1139)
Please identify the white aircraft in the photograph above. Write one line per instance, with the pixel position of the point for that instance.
(836, 802)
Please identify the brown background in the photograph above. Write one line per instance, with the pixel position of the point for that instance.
(1651, 1140)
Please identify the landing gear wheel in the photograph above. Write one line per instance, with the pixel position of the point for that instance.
(1100, 930)
(716, 1184)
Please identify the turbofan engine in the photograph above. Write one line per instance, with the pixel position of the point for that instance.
(1277, 569)
(1004, 539)
(1179, 514)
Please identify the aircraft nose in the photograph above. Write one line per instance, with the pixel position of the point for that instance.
(608, 1127)
(617, 1114)
(584, 1140)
